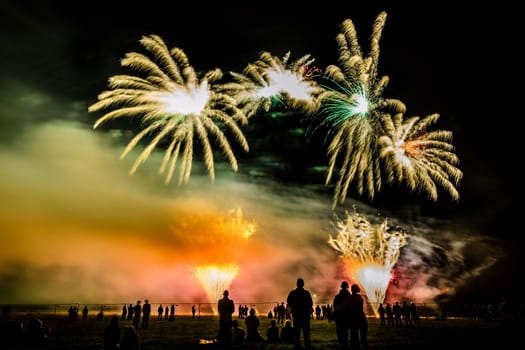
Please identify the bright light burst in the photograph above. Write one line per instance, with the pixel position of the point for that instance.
(370, 252)
(231, 232)
(351, 106)
(421, 158)
(215, 279)
(174, 101)
(272, 80)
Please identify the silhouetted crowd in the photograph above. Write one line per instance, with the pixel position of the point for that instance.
(289, 322)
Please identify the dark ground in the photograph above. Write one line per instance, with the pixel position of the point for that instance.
(199, 333)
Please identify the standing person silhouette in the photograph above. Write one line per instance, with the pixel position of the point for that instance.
(301, 305)
(160, 312)
(342, 316)
(146, 313)
(172, 313)
(382, 314)
(137, 313)
(226, 308)
(130, 312)
(124, 312)
(85, 312)
(358, 321)
(281, 310)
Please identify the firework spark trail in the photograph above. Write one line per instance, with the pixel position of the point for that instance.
(271, 80)
(367, 142)
(174, 101)
(419, 157)
(369, 252)
(351, 107)
(215, 279)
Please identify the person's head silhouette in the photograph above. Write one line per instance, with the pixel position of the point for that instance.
(300, 283)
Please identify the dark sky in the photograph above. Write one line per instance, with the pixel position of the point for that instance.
(454, 59)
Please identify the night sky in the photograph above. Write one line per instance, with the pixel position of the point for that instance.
(66, 196)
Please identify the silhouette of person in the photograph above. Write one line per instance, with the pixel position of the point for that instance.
(396, 309)
(36, 333)
(130, 339)
(389, 315)
(287, 333)
(137, 312)
(413, 312)
(172, 312)
(358, 321)
(124, 312)
(238, 334)
(111, 337)
(341, 315)
(252, 327)
(272, 333)
(318, 312)
(130, 312)
(146, 313)
(241, 311)
(281, 310)
(193, 310)
(85, 312)
(405, 312)
(226, 308)
(6, 313)
(382, 315)
(160, 311)
(100, 314)
(15, 335)
(301, 305)
(72, 312)
(270, 314)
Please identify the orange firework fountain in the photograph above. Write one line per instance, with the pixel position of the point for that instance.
(216, 277)
(369, 252)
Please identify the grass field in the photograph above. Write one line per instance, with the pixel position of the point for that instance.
(198, 333)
